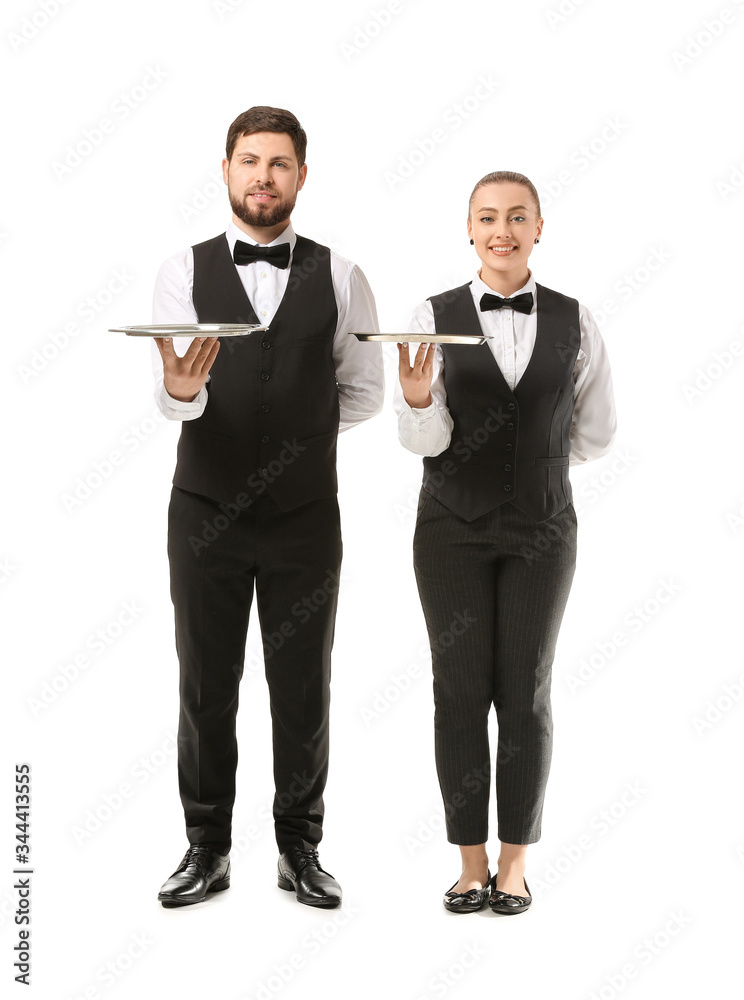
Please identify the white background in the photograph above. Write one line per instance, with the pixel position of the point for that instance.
(630, 147)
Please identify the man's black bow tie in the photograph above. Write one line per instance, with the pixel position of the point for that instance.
(522, 303)
(246, 253)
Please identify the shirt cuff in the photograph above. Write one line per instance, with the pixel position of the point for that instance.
(181, 409)
(423, 413)
(180, 404)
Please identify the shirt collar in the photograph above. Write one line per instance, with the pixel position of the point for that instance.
(234, 233)
(479, 288)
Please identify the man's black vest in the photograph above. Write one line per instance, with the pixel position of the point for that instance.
(271, 419)
(506, 446)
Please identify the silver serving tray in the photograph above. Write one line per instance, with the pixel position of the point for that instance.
(424, 338)
(190, 330)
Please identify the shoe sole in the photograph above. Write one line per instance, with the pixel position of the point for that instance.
(217, 887)
(284, 883)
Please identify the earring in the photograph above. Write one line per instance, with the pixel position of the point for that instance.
(537, 240)
(472, 243)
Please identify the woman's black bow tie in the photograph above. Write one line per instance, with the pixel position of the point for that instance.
(522, 303)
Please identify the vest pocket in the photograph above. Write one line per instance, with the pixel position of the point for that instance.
(319, 446)
(556, 479)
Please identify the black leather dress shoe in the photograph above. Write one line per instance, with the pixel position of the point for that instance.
(300, 871)
(467, 902)
(201, 871)
(508, 902)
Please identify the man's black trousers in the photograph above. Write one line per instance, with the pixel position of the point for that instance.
(217, 554)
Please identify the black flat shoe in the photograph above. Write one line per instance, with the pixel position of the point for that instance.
(508, 902)
(467, 902)
(299, 871)
(201, 871)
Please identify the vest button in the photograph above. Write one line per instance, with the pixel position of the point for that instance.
(265, 407)
(510, 425)
(509, 446)
(265, 376)
(510, 406)
(265, 439)
(507, 468)
(507, 487)
(265, 344)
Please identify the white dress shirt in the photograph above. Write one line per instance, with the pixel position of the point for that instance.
(428, 431)
(359, 366)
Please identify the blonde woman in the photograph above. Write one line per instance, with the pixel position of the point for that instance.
(495, 540)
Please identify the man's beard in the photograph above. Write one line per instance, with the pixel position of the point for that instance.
(261, 216)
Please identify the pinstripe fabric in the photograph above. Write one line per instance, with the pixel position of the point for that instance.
(493, 592)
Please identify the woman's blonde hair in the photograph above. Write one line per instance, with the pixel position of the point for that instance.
(505, 177)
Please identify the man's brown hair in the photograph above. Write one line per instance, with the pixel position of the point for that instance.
(265, 119)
